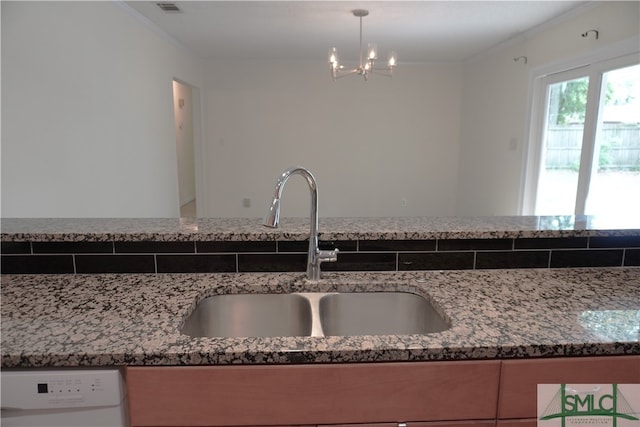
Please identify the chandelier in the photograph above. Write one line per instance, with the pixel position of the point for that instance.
(367, 61)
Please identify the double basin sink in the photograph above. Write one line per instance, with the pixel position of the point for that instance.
(314, 314)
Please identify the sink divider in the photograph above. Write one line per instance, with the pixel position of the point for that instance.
(314, 301)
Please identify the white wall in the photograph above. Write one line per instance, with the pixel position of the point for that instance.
(369, 145)
(496, 105)
(88, 125)
(87, 117)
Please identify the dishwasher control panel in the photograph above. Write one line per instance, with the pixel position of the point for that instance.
(68, 388)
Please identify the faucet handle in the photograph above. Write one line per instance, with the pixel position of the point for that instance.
(327, 251)
(328, 256)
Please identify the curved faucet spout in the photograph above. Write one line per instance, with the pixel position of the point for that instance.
(316, 256)
(273, 216)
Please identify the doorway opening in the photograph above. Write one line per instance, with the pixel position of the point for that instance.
(184, 126)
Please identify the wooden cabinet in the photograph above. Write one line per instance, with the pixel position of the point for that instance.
(313, 394)
(519, 379)
(475, 423)
(489, 393)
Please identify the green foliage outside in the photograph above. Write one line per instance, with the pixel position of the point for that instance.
(571, 107)
(572, 101)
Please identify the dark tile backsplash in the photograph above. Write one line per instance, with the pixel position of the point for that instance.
(154, 247)
(552, 243)
(615, 242)
(15, 248)
(196, 263)
(343, 245)
(362, 262)
(475, 244)
(587, 258)
(512, 259)
(397, 245)
(37, 264)
(72, 247)
(213, 247)
(436, 261)
(252, 263)
(115, 264)
(632, 257)
(293, 246)
(288, 256)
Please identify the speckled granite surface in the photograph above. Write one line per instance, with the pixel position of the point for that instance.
(94, 320)
(239, 229)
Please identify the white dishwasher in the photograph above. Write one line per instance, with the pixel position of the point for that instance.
(63, 398)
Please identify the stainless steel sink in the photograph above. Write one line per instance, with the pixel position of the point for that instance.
(250, 315)
(313, 314)
(378, 313)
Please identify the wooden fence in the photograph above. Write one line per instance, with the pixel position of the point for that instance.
(619, 147)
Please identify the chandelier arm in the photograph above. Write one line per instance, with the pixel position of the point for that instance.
(378, 73)
(382, 71)
(345, 73)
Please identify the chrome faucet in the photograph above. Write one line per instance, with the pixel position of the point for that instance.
(316, 256)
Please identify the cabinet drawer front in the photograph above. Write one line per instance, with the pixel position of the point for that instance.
(520, 378)
(312, 394)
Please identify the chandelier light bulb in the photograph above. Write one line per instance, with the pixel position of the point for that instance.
(373, 51)
(393, 59)
(333, 56)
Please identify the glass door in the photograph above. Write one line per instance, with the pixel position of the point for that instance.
(615, 176)
(563, 134)
(587, 153)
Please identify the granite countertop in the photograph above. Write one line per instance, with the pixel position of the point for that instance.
(134, 319)
(246, 229)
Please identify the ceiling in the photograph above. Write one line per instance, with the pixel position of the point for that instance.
(419, 31)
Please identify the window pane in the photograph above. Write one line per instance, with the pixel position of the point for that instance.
(558, 181)
(615, 180)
